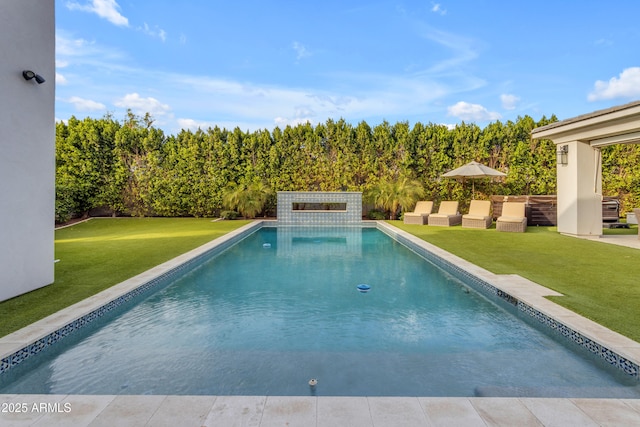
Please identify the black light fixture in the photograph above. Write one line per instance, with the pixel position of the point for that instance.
(563, 155)
(28, 75)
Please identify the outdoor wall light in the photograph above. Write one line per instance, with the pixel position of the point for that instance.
(563, 155)
(28, 75)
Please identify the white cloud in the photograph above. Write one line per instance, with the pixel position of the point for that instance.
(284, 122)
(463, 50)
(192, 124)
(155, 32)
(627, 85)
(437, 8)
(66, 46)
(382, 96)
(301, 50)
(60, 79)
(141, 106)
(509, 101)
(204, 101)
(107, 9)
(472, 112)
(301, 115)
(82, 104)
(72, 51)
(603, 42)
(208, 101)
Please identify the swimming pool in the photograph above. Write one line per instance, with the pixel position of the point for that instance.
(282, 307)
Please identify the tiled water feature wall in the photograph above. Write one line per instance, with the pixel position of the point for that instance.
(319, 207)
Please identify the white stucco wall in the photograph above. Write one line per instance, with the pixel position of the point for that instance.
(579, 192)
(27, 146)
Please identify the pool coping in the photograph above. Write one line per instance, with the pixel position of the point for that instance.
(267, 411)
(528, 296)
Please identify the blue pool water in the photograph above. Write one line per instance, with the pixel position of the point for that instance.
(283, 306)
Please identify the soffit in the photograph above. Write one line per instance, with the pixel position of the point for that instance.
(614, 125)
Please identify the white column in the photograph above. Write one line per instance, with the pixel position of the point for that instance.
(579, 188)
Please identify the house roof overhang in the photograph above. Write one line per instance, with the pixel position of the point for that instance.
(615, 125)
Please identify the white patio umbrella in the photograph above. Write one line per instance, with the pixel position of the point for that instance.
(473, 170)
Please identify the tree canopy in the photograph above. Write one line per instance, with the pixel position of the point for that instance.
(133, 168)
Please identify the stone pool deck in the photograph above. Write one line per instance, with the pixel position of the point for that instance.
(127, 410)
(261, 411)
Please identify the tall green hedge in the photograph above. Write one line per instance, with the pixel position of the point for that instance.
(132, 167)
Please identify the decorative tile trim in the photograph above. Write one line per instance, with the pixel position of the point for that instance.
(611, 357)
(16, 358)
(608, 355)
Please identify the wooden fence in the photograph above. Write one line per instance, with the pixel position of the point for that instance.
(543, 210)
(540, 210)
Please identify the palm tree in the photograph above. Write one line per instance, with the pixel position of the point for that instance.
(391, 195)
(247, 200)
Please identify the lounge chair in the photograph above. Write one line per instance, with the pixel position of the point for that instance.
(513, 218)
(637, 212)
(420, 213)
(447, 215)
(479, 215)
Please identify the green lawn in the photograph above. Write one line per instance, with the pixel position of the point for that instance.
(598, 280)
(97, 254)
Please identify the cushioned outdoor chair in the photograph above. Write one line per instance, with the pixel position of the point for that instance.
(512, 218)
(637, 212)
(479, 215)
(447, 215)
(420, 213)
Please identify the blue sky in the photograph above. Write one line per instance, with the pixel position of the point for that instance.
(260, 64)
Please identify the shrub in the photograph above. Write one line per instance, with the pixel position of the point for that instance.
(228, 214)
(376, 214)
(249, 200)
(64, 205)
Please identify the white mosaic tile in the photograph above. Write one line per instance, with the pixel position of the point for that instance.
(286, 214)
